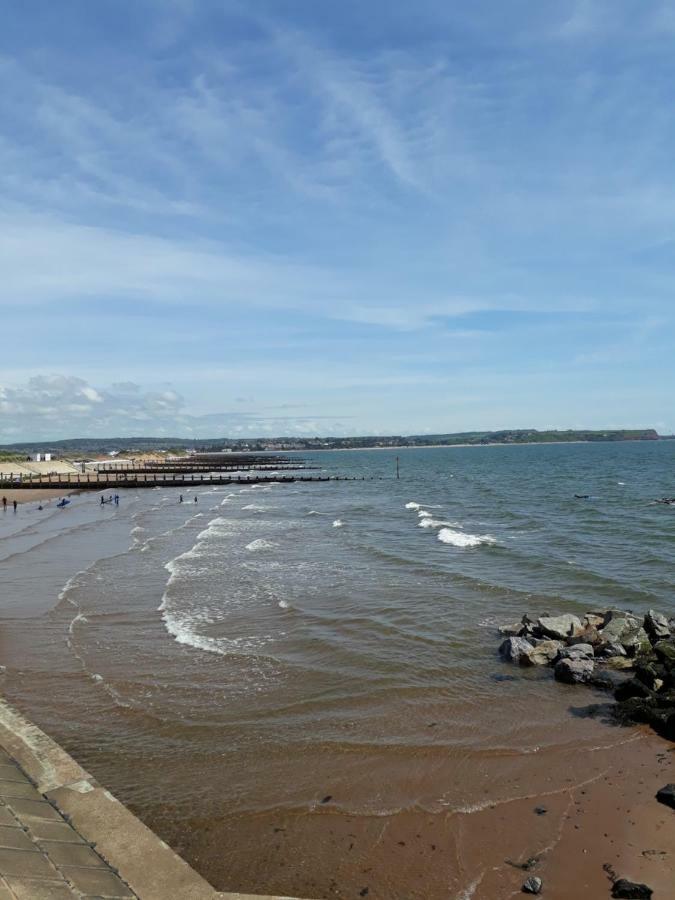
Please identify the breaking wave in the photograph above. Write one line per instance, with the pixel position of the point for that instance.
(457, 539)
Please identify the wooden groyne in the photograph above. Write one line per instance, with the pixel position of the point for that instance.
(96, 481)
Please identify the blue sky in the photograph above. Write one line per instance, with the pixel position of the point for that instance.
(307, 217)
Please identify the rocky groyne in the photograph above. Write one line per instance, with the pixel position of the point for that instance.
(628, 655)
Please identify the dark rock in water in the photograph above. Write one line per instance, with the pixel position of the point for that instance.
(604, 681)
(533, 885)
(630, 890)
(514, 648)
(656, 625)
(559, 627)
(574, 671)
(667, 795)
(632, 688)
(497, 677)
(650, 674)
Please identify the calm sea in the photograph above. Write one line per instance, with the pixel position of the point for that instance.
(271, 674)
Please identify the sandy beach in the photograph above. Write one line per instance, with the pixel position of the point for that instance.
(32, 495)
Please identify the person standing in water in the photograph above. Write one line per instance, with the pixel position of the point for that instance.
(4, 502)
(180, 498)
(15, 505)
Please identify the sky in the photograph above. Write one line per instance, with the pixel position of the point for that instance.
(303, 217)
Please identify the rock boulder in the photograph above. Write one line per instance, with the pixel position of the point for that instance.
(514, 649)
(559, 627)
(574, 671)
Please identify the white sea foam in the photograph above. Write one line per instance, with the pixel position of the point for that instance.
(255, 508)
(78, 618)
(437, 523)
(413, 505)
(284, 604)
(337, 523)
(457, 539)
(261, 544)
(424, 514)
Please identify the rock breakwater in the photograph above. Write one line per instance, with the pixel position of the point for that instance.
(615, 650)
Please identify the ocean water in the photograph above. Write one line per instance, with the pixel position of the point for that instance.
(276, 678)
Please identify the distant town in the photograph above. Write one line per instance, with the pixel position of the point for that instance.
(77, 447)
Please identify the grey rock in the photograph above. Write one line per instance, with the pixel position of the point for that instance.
(627, 631)
(514, 648)
(514, 630)
(656, 625)
(577, 651)
(574, 671)
(544, 652)
(533, 885)
(630, 890)
(667, 795)
(559, 627)
(594, 619)
(612, 649)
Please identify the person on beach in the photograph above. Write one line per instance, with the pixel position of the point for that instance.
(180, 498)
(4, 502)
(15, 505)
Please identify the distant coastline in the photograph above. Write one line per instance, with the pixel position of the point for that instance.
(79, 447)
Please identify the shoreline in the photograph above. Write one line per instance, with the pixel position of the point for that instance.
(34, 495)
(453, 446)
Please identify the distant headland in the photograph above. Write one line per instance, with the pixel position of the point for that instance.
(177, 445)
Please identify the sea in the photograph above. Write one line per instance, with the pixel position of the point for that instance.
(297, 685)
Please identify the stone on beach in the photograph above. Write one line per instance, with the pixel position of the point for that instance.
(514, 649)
(574, 671)
(514, 630)
(666, 795)
(630, 890)
(533, 885)
(559, 627)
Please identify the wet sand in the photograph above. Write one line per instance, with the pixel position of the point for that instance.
(32, 495)
(606, 820)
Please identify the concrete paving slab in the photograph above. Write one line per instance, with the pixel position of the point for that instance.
(62, 854)
(12, 773)
(26, 864)
(99, 882)
(28, 889)
(15, 839)
(54, 831)
(19, 790)
(26, 810)
(8, 818)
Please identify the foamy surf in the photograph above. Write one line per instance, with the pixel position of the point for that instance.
(457, 539)
(261, 544)
(337, 523)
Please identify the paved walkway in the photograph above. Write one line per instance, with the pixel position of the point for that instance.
(42, 857)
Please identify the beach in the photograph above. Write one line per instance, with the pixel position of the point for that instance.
(297, 687)
(32, 495)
